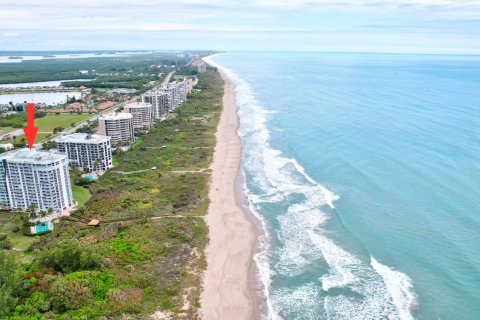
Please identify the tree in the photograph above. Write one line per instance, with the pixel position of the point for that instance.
(118, 151)
(57, 129)
(9, 283)
(96, 164)
(23, 140)
(32, 211)
(47, 145)
(72, 124)
(68, 256)
(74, 166)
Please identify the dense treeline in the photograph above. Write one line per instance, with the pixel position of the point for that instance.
(120, 81)
(65, 69)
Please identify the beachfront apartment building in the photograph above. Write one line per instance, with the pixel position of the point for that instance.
(201, 65)
(142, 114)
(182, 91)
(117, 126)
(171, 90)
(89, 152)
(166, 98)
(31, 177)
(159, 100)
(202, 68)
(189, 83)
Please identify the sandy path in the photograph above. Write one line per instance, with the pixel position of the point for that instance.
(228, 290)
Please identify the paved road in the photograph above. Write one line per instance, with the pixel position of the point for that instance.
(95, 117)
(167, 78)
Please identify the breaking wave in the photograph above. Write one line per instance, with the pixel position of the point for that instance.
(305, 273)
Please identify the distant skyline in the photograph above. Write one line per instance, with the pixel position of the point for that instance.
(427, 26)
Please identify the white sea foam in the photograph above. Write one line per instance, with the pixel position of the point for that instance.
(349, 288)
(329, 196)
(400, 288)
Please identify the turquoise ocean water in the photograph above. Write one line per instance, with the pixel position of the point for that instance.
(364, 170)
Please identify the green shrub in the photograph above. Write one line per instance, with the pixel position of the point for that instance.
(9, 283)
(69, 257)
(37, 302)
(70, 294)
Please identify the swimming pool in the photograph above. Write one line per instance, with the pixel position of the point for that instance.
(41, 227)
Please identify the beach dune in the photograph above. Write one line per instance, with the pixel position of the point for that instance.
(228, 281)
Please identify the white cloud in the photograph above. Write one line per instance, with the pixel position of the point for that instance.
(9, 34)
(146, 23)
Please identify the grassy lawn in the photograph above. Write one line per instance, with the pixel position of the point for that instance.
(8, 220)
(80, 194)
(138, 142)
(49, 122)
(115, 160)
(40, 137)
(5, 130)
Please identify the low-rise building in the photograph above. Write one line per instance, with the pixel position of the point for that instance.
(118, 126)
(142, 114)
(89, 152)
(35, 178)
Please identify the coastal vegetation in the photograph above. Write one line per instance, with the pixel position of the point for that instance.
(130, 71)
(147, 254)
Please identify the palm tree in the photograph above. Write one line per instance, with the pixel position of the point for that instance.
(32, 211)
(50, 211)
(97, 164)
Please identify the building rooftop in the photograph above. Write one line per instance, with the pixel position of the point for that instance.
(156, 92)
(32, 156)
(83, 138)
(137, 105)
(116, 116)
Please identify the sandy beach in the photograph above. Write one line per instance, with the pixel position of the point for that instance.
(229, 291)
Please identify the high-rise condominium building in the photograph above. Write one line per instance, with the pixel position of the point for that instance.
(173, 101)
(39, 178)
(89, 152)
(142, 114)
(160, 100)
(118, 126)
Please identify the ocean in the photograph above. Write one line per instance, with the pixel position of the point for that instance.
(364, 171)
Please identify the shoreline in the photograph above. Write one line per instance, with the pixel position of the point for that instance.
(231, 287)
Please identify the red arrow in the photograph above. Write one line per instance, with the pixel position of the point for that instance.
(30, 130)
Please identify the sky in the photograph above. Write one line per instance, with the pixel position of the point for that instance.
(422, 26)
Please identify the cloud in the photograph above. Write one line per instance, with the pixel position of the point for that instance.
(220, 24)
(9, 34)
